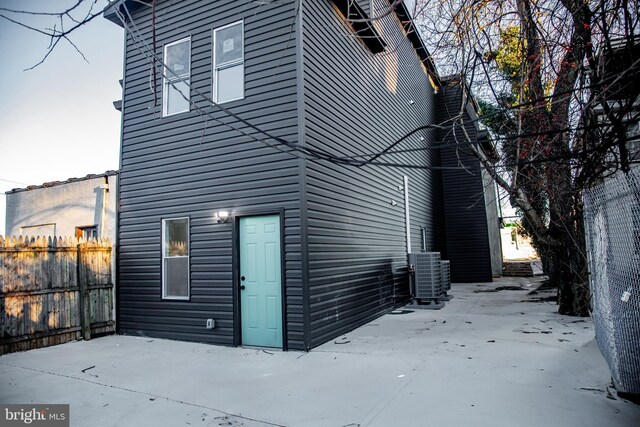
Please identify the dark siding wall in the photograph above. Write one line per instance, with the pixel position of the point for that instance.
(366, 6)
(358, 103)
(467, 242)
(192, 165)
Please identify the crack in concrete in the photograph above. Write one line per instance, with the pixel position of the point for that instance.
(142, 393)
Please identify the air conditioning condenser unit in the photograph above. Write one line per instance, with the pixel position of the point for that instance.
(426, 279)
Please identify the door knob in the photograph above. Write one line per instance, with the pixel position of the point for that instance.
(242, 278)
(242, 287)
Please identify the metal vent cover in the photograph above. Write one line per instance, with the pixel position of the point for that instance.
(428, 275)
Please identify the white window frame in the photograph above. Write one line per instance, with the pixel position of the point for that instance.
(168, 77)
(163, 257)
(215, 67)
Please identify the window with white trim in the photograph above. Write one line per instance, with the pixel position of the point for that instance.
(228, 62)
(175, 258)
(176, 77)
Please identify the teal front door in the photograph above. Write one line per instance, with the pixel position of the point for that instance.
(261, 281)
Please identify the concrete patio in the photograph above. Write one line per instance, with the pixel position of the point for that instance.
(485, 359)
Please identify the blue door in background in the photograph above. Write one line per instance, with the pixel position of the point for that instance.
(261, 281)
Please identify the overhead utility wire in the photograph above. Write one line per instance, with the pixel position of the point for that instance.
(495, 167)
(13, 182)
(443, 145)
(310, 152)
(314, 154)
(329, 156)
(151, 56)
(480, 118)
(320, 154)
(472, 121)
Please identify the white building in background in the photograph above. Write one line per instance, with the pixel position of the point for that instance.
(82, 207)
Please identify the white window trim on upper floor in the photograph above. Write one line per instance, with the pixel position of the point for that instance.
(170, 78)
(217, 67)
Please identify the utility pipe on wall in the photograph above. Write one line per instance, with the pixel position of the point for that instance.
(406, 213)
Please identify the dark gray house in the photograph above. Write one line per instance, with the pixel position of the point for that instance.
(472, 243)
(247, 213)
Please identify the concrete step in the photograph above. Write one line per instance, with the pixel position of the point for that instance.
(517, 269)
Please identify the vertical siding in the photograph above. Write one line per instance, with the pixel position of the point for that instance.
(192, 165)
(358, 103)
(465, 214)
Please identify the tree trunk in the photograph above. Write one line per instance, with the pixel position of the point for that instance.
(566, 267)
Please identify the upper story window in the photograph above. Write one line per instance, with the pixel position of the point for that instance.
(176, 77)
(228, 62)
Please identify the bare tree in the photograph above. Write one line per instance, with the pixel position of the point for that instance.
(57, 25)
(543, 71)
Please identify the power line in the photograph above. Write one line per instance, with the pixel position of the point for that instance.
(308, 152)
(151, 55)
(314, 154)
(443, 145)
(293, 148)
(13, 182)
(311, 153)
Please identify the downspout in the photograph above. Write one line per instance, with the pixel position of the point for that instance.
(501, 219)
(406, 213)
(408, 231)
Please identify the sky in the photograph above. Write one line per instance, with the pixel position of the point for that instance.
(57, 121)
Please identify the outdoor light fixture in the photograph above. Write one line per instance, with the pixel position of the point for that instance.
(223, 216)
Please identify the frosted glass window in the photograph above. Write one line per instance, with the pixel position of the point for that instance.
(229, 44)
(176, 77)
(228, 62)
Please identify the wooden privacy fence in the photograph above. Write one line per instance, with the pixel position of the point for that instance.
(54, 291)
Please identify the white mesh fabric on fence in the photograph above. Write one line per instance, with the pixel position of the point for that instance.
(612, 226)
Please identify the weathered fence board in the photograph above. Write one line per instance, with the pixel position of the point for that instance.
(54, 291)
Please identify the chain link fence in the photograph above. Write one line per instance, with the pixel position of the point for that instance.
(612, 224)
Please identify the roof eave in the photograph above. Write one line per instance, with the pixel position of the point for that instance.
(416, 41)
(117, 8)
